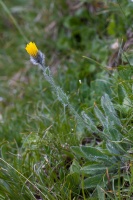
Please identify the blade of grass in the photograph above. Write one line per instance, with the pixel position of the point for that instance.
(14, 20)
(24, 178)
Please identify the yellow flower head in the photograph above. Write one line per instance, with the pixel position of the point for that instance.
(32, 49)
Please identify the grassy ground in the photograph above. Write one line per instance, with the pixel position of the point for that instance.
(82, 149)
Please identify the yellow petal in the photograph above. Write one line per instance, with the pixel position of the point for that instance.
(32, 49)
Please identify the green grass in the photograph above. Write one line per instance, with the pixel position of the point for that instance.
(51, 149)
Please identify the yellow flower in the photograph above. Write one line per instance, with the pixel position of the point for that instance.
(32, 49)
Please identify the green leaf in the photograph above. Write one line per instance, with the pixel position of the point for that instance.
(77, 151)
(93, 181)
(91, 153)
(100, 86)
(101, 193)
(114, 133)
(94, 169)
(121, 93)
(75, 167)
(72, 181)
(115, 148)
(100, 116)
(110, 111)
(109, 121)
(91, 126)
